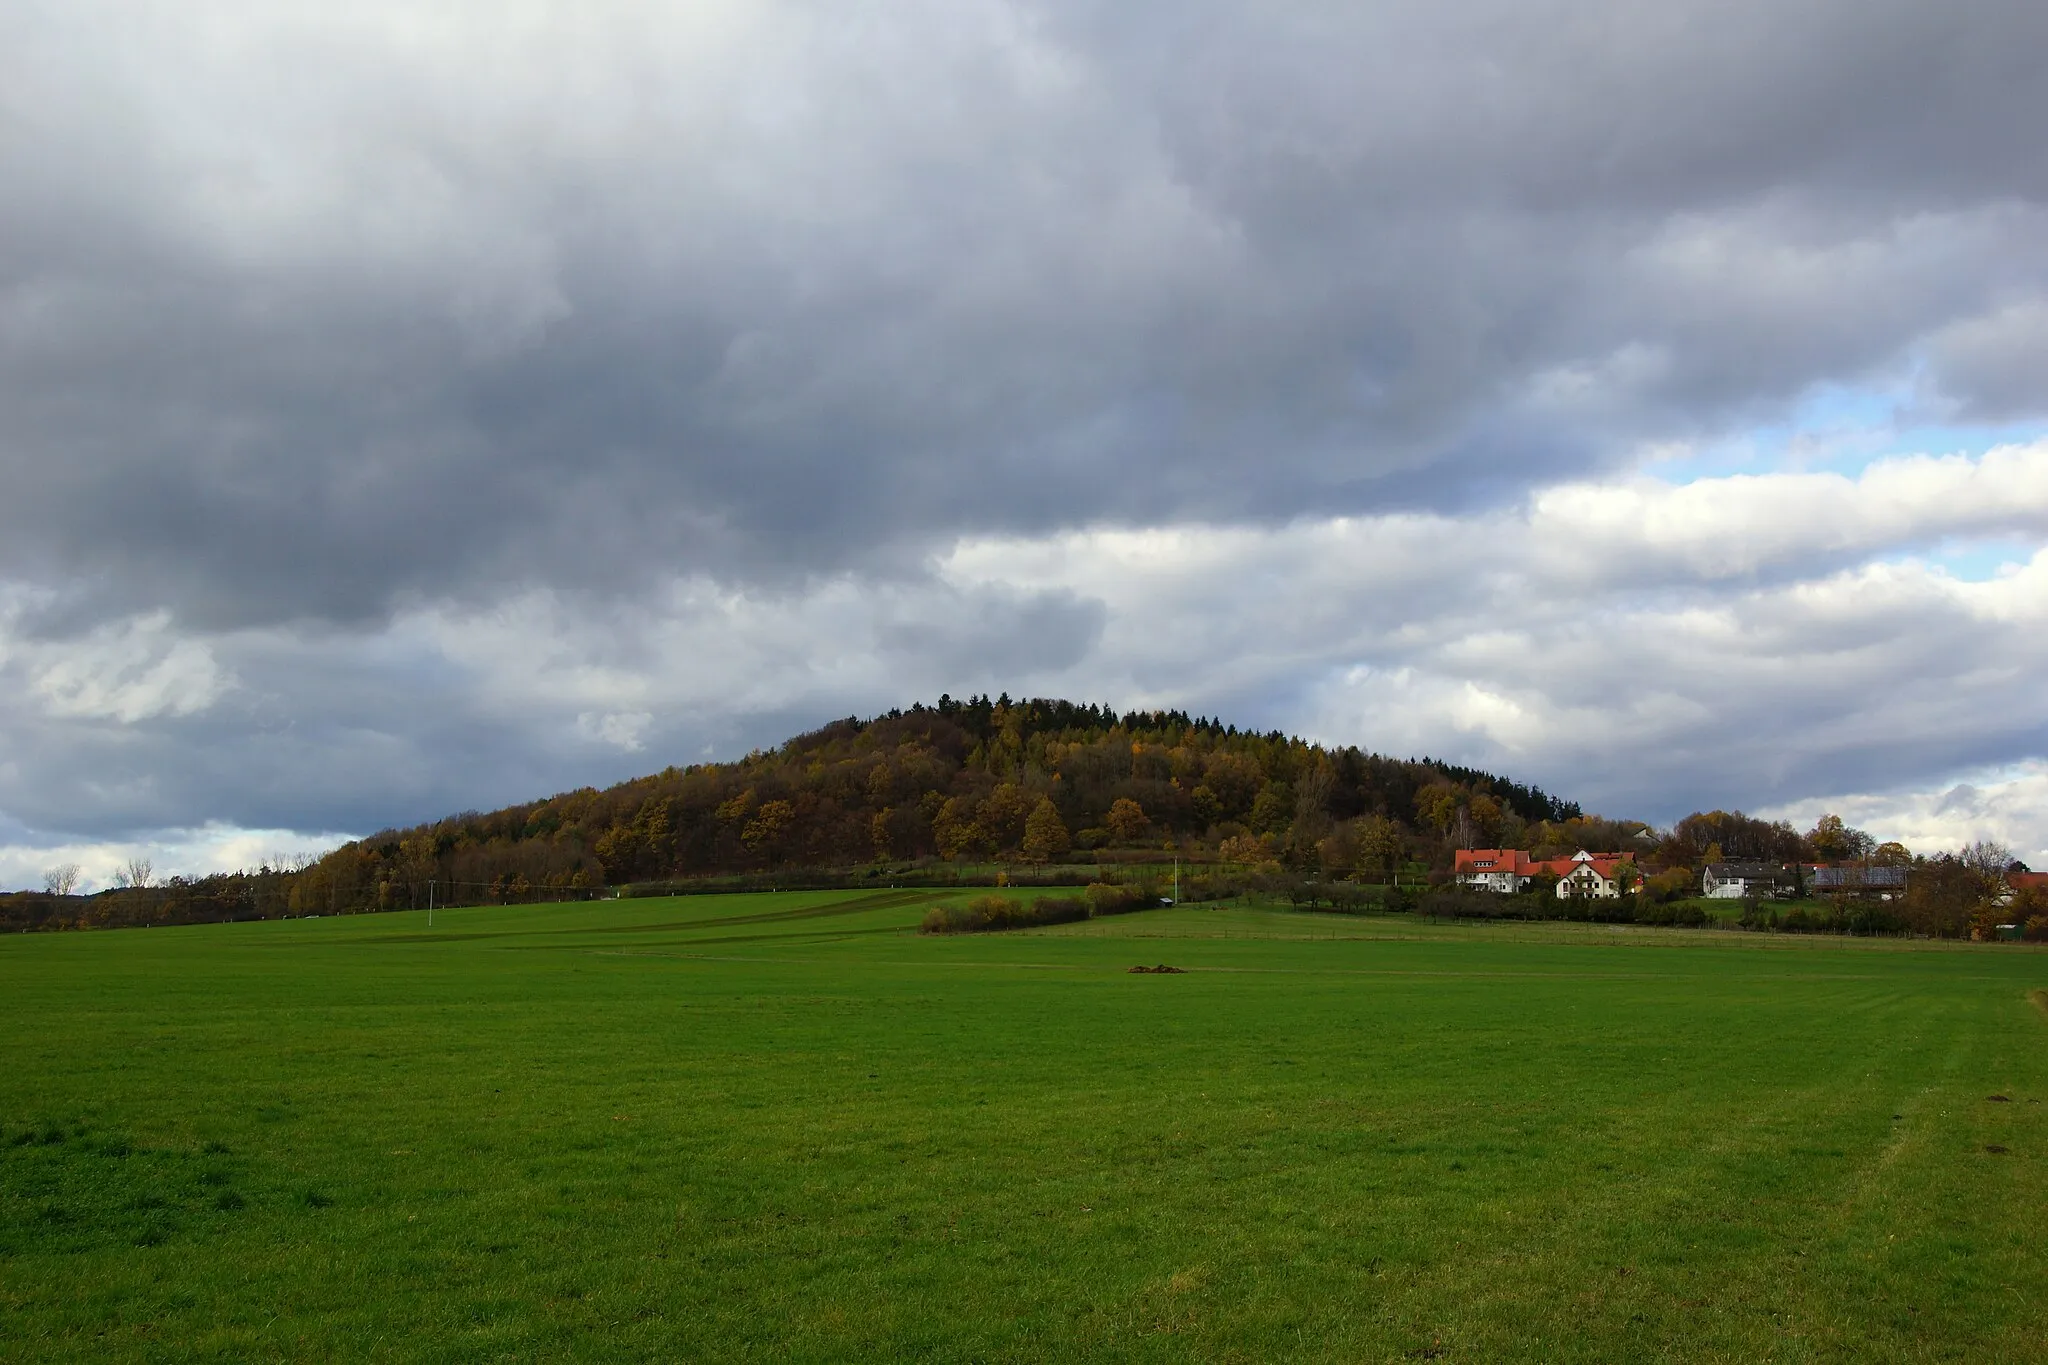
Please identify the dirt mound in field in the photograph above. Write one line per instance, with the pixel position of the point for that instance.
(1161, 970)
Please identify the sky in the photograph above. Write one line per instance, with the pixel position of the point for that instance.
(407, 409)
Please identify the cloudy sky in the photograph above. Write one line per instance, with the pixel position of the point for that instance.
(410, 408)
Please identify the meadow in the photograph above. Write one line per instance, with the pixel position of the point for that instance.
(786, 1126)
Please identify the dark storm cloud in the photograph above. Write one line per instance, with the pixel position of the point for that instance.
(299, 317)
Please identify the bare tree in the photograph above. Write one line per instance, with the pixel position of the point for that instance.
(61, 880)
(1987, 856)
(136, 874)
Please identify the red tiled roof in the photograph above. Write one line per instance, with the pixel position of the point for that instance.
(1497, 860)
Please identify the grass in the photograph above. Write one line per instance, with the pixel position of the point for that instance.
(788, 1127)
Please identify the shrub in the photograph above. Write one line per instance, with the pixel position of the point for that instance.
(1058, 910)
(945, 919)
(992, 914)
(1670, 885)
(1456, 903)
(1107, 898)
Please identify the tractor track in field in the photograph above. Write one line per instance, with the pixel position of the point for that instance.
(883, 900)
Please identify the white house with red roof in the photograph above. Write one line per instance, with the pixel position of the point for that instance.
(1508, 870)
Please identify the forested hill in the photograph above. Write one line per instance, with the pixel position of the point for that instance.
(975, 780)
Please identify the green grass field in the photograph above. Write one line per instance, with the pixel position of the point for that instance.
(787, 1127)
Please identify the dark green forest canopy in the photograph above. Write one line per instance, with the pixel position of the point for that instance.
(968, 780)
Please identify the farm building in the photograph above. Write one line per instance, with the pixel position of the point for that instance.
(1508, 870)
(1733, 881)
(1881, 882)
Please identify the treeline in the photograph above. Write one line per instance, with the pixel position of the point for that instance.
(975, 781)
(265, 893)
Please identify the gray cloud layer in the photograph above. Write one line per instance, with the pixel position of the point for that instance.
(322, 327)
(302, 312)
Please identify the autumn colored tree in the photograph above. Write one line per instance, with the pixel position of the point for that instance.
(1273, 810)
(768, 826)
(1437, 805)
(1486, 815)
(1943, 895)
(1379, 844)
(1127, 820)
(959, 833)
(1045, 834)
(1831, 841)
(1005, 813)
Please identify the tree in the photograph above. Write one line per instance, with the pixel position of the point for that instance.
(136, 874)
(1892, 854)
(1312, 803)
(61, 880)
(768, 825)
(1437, 805)
(1744, 839)
(1127, 820)
(958, 833)
(1244, 848)
(1005, 814)
(1831, 841)
(1045, 834)
(1987, 856)
(1273, 809)
(1486, 815)
(1943, 895)
(1379, 844)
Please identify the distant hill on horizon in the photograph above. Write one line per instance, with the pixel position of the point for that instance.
(974, 781)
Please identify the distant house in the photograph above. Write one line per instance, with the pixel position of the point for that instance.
(1508, 870)
(1883, 883)
(2016, 882)
(1733, 881)
(1593, 876)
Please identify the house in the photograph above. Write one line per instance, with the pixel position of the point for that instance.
(2016, 882)
(1733, 881)
(1884, 883)
(1595, 876)
(1508, 870)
